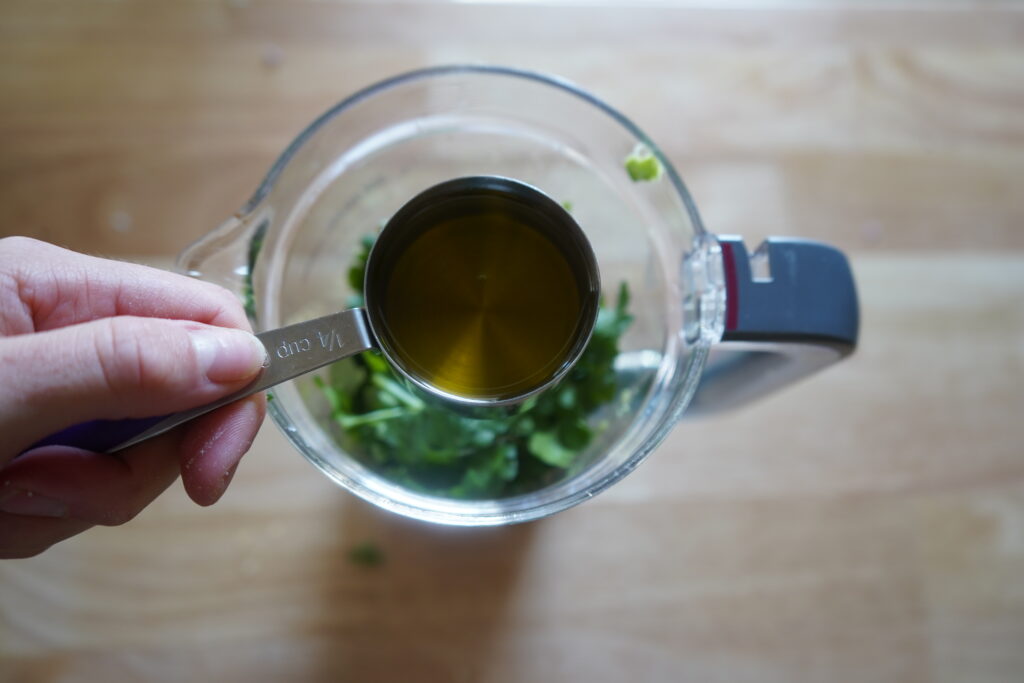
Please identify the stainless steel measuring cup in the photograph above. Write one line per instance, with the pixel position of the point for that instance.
(306, 346)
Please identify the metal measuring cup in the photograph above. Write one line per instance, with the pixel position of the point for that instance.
(300, 348)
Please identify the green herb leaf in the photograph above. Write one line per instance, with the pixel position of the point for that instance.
(546, 447)
(376, 363)
(436, 450)
(642, 165)
(366, 554)
(248, 294)
(575, 434)
(330, 393)
(355, 277)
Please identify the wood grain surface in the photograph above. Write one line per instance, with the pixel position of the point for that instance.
(865, 525)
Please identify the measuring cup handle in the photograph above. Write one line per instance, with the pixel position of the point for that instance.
(790, 310)
(292, 351)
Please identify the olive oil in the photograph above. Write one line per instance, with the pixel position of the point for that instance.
(485, 295)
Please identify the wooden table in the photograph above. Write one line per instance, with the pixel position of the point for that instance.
(866, 525)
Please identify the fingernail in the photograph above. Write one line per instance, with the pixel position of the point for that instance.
(227, 355)
(19, 502)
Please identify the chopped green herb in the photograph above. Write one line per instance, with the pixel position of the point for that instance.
(567, 205)
(255, 245)
(366, 554)
(642, 165)
(547, 448)
(436, 450)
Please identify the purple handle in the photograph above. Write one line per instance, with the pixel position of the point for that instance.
(99, 436)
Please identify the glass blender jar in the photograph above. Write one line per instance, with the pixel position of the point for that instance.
(713, 325)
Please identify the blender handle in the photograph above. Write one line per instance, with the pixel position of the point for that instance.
(790, 310)
(291, 351)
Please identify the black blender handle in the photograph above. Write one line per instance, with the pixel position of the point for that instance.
(790, 309)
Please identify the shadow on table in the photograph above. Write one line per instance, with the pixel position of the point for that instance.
(432, 610)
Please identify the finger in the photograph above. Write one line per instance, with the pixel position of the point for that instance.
(215, 443)
(64, 483)
(117, 368)
(24, 536)
(97, 488)
(58, 287)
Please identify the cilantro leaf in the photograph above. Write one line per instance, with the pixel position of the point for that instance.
(436, 450)
(366, 554)
(642, 165)
(546, 447)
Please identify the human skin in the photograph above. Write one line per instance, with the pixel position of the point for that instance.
(85, 338)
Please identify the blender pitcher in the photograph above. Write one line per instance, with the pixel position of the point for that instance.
(714, 326)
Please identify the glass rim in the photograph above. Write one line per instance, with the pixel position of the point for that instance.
(267, 183)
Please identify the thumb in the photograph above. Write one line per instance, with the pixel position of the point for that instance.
(117, 368)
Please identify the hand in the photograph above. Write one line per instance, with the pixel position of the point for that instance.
(83, 338)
